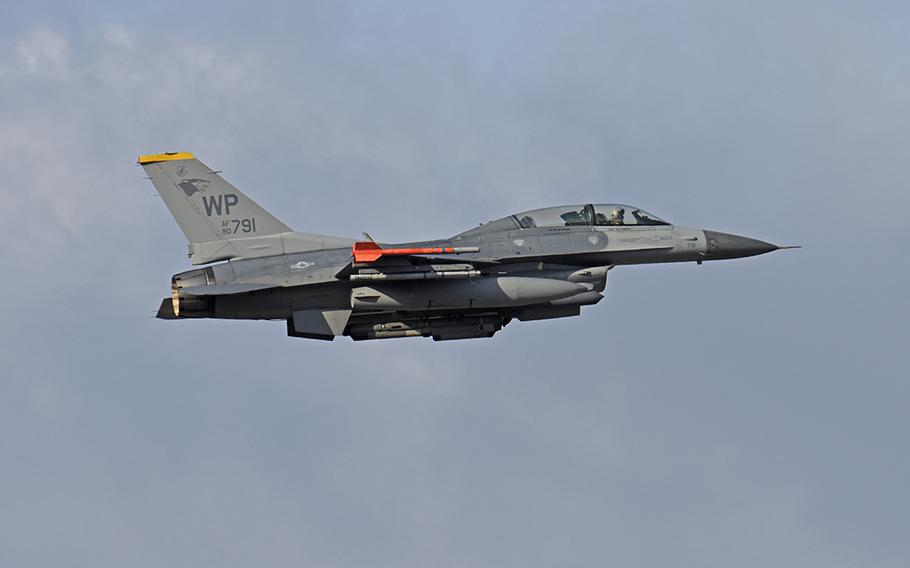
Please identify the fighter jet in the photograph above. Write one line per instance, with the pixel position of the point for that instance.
(536, 265)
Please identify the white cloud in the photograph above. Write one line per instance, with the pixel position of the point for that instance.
(76, 113)
(45, 53)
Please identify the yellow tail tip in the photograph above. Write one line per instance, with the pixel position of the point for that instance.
(164, 157)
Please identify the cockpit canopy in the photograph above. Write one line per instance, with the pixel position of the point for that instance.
(603, 214)
(599, 214)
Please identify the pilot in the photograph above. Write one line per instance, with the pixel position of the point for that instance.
(642, 219)
(616, 216)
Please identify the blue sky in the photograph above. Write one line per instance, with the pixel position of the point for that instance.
(749, 412)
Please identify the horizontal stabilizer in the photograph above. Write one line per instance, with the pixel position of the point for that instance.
(166, 310)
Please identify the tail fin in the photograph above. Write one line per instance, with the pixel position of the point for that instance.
(218, 220)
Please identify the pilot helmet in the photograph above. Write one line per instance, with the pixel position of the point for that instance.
(617, 213)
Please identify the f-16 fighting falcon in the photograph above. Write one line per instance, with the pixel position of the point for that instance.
(541, 264)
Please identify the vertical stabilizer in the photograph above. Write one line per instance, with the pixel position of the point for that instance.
(213, 214)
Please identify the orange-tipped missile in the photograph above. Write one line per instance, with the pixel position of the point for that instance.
(368, 251)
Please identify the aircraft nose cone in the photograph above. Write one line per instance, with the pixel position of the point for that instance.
(725, 245)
